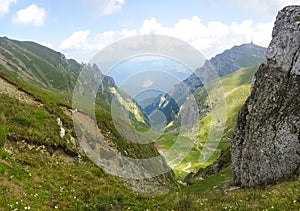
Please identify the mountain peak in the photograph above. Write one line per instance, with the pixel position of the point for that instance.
(231, 60)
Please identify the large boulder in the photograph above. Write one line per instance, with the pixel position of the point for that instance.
(266, 143)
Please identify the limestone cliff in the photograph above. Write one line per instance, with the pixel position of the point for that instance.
(266, 144)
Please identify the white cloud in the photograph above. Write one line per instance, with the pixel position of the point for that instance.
(80, 40)
(4, 6)
(214, 37)
(266, 6)
(32, 15)
(210, 39)
(106, 7)
(103, 39)
(150, 26)
(129, 33)
(77, 41)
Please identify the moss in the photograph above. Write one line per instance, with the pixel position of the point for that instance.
(22, 121)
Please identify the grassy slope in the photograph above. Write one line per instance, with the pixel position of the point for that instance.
(25, 59)
(236, 90)
(45, 171)
(213, 193)
(38, 169)
(32, 177)
(56, 69)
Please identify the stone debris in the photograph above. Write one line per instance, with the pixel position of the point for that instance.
(62, 131)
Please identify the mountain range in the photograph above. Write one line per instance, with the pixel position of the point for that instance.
(229, 61)
(48, 162)
(32, 67)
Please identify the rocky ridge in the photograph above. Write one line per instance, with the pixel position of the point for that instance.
(266, 144)
(245, 55)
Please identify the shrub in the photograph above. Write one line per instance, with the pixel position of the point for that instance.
(41, 114)
(186, 202)
(2, 119)
(22, 121)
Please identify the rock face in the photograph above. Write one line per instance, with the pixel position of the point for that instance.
(266, 144)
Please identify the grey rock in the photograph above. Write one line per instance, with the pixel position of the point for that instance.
(266, 142)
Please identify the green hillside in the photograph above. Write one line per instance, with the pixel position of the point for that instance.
(34, 97)
(236, 90)
(25, 59)
(40, 170)
(33, 179)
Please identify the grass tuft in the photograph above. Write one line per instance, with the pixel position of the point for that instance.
(2, 135)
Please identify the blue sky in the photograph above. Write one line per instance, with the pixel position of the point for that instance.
(80, 28)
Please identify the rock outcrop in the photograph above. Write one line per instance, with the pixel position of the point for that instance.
(266, 144)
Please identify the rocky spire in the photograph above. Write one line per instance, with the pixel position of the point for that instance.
(266, 144)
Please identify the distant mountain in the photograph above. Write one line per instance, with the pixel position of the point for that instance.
(164, 103)
(245, 55)
(229, 61)
(136, 65)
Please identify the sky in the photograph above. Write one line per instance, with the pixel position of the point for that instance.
(81, 28)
